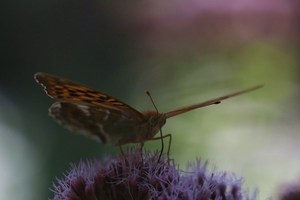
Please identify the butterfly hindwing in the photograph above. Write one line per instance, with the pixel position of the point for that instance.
(107, 126)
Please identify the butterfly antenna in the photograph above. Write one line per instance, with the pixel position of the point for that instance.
(148, 93)
(161, 135)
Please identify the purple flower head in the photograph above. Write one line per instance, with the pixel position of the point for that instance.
(137, 176)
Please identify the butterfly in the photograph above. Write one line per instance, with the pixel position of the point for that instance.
(95, 114)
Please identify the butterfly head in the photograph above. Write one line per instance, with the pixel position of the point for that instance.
(154, 123)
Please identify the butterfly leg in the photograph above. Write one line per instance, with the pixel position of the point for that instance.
(142, 147)
(121, 150)
(169, 145)
(123, 155)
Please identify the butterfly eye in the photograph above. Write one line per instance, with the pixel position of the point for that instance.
(154, 120)
(157, 121)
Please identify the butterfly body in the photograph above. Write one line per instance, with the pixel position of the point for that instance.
(97, 115)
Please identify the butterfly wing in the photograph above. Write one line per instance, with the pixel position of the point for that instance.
(65, 90)
(105, 125)
(90, 112)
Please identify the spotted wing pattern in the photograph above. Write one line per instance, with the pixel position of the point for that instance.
(69, 91)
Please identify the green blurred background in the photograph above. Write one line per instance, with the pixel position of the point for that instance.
(183, 52)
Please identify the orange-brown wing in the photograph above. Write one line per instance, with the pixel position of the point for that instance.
(68, 91)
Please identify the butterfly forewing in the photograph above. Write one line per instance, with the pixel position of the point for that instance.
(71, 92)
